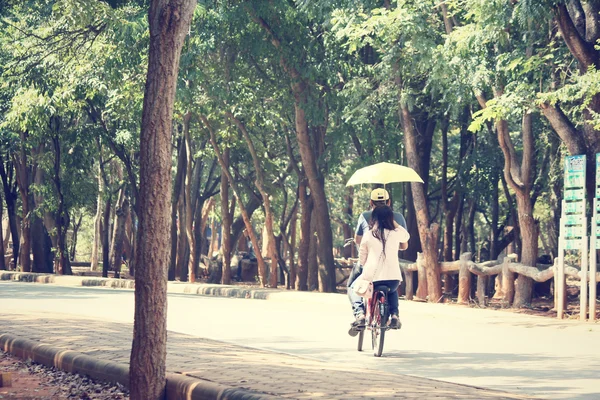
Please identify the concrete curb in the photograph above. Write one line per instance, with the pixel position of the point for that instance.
(179, 387)
(202, 289)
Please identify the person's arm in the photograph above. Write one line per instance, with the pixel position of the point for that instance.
(357, 239)
(362, 255)
(404, 238)
(358, 232)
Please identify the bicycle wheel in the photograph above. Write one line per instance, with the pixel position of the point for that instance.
(380, 328)
(361, 336)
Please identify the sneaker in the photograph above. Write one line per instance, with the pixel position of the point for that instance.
(358, 325)
(395, 322)
(360, 320)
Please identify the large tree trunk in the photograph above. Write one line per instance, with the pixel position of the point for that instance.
(169, 22)
(520, 179)
(24, 181)
(63, 266)
(427, 232)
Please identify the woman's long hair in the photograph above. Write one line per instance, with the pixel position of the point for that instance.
(382, 218)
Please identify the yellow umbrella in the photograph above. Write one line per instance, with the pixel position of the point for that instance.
(384, 173)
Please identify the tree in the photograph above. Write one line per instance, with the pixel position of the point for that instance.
(169, 22)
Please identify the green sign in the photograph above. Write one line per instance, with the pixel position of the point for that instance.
(573, 244)
(575, 171)
(574, 231)
(574, 207)
(574, 194)
(574, 220)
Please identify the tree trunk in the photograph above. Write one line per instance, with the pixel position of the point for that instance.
(227, 221)
(181, 268)
(106, 237)
(41, 249)
(313, 259)
(24, 181)
(98, 221)
(118, 239)
(9, 186)
(181, 160)
(292, 249)
(529, 253)
(349, 251)
(169, 22)
(273, 254)
(62, 264)
(74, 237)
(427, 232)
(2, 260)
(249, 229)
(305, 233)
(309, 156)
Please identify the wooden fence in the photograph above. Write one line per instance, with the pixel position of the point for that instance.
(465, 268)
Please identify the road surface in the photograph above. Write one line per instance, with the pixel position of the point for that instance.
(492, 349)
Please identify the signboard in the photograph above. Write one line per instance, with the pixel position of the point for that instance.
(575, 172)
(573, 229)
(574, 232)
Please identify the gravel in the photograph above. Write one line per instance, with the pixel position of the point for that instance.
(64, 385)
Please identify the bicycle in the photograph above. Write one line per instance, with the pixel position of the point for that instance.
(376, 319)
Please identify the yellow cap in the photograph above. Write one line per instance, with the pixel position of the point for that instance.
(380, 195)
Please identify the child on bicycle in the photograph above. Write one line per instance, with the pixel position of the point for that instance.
(378, 254)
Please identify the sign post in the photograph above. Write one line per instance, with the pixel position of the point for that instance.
(595, 241)
(573, 232)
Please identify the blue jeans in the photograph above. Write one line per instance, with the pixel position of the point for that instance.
(392, 295)
(358, 306)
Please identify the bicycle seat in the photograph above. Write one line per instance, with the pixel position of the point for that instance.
(381, 288)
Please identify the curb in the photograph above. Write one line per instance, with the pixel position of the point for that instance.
(179, 387)
(202, 289)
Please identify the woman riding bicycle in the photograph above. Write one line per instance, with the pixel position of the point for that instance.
(378, 254)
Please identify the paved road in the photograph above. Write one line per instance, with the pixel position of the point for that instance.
(499, 350)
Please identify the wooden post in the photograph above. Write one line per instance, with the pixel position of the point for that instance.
(481, 285)
(583, 294)
(422, 276)
(508, 283)
(410, 291)
(464, 279)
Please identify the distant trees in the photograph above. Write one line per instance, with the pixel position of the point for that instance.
(295, 96)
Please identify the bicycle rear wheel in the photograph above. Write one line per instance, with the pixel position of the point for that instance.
(379, 328)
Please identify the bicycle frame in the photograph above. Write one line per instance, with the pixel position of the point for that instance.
(377, 300)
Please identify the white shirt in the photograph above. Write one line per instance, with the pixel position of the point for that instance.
(378, 266)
